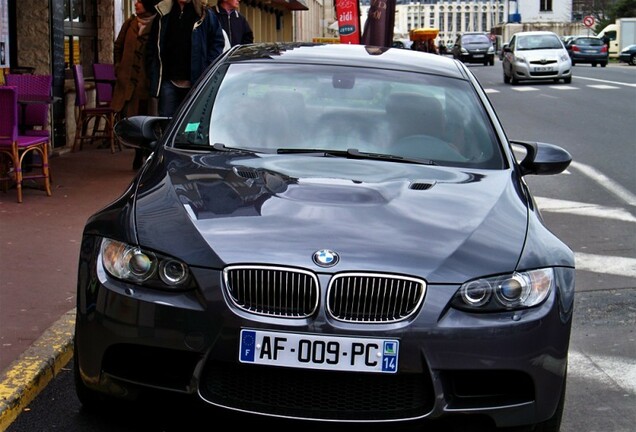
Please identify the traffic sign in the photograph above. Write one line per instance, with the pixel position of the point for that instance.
(589, 21)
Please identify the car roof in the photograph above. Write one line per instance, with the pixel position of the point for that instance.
(347, 55)
(536, 32)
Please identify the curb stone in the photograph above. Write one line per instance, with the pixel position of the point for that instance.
(27, 376)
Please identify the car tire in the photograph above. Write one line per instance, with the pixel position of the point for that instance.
(573, 63)
(567, 80)
(513, 79)
(593, 64)
(632, 60)
(603, 64)
(553, 424)
(506, 78)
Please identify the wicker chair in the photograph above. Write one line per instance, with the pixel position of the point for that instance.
(14, 147)
(34, 118)
(86, 115)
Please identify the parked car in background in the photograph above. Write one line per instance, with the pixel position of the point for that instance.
(402, 43)
(628, 55)
(364, 248)
(587, 49)
(536, 55)
(474, 47)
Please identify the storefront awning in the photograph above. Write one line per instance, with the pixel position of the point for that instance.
(293, 5)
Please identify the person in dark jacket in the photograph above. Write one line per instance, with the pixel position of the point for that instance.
(186, 38)
(234, 23)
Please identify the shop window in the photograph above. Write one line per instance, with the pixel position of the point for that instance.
(80, 33)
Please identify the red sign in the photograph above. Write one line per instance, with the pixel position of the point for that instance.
(348, 21)
(588, 21)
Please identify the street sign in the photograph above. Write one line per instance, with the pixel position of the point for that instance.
(589, 21)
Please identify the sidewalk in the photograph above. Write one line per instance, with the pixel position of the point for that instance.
(39, 252)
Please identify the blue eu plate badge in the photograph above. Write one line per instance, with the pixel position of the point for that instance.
(248, 342)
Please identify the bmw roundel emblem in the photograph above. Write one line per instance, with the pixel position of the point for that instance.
(326, 258)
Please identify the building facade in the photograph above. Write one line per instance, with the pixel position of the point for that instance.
(499, 17)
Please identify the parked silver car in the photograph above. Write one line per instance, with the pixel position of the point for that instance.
(536, 55)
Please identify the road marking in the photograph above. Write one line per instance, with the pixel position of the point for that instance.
(602, 86)
(564, 87)
(584, 209)
(489, 90)
(607, 370)
(609, 184)
(614, 265)
(525, 89)
(605, 81)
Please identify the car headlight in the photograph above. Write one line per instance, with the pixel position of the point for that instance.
(133, 264)
(520, 58)
(565, 57)
(518, 290)
(491, 50)
(464, 51)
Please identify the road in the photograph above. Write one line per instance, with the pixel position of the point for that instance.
(592, 207)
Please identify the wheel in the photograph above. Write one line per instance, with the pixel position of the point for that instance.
(492, 62)
(573, 63)
(593, 64)
(632, 60)
(513, 80)
(603, 64)
(506, 78)
(567, 80)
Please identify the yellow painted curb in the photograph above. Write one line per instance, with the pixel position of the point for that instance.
(26, 377)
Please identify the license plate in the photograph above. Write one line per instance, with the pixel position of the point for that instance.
(543, 69)
(478, 55)
(310, 351)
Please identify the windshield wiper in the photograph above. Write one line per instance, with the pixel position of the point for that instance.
(355, 154)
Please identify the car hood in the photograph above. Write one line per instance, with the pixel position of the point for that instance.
(441, 223)
(543, 54)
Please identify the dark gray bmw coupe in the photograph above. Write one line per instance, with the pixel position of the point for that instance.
(335, 233)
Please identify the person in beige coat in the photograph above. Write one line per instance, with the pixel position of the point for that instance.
(131, 95)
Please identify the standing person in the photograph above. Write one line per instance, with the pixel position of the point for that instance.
(233, 22)
(606, 41)
(186, 38)
(131, 95)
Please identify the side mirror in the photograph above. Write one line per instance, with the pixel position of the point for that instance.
(506, 48)
(141, 131)
(543, 158)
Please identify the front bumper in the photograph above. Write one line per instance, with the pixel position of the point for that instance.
(478, 58)
(523, 70)
(508, 366)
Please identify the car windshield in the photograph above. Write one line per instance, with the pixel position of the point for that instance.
(537, 42)
(343, 111)
(480, 38)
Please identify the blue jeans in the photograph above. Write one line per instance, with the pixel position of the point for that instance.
(170, 97)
